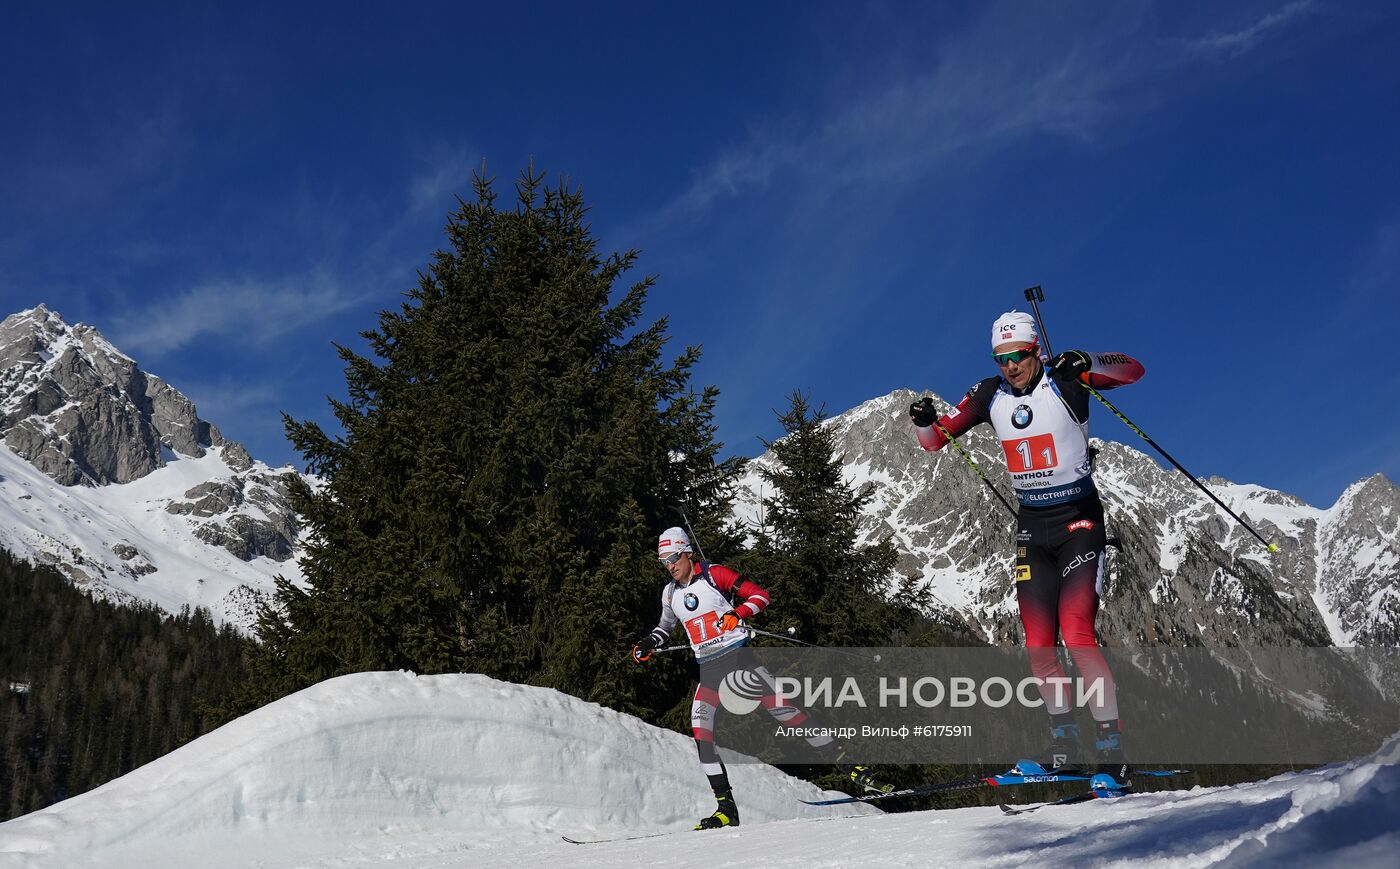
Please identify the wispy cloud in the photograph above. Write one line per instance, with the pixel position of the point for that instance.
(1003, 81)
(742, 170)
(1371, 286)
(980, 94)
(255, 312)
(245, 411)
(801, 200)
(258, 311)
(1238, 42)
(138, 153)
(230, 398)
(1380, 270)
(443, 174)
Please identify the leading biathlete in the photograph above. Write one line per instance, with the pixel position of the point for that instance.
(1040, 414)
(698, 599)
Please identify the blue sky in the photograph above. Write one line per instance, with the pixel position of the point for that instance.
(835, 197)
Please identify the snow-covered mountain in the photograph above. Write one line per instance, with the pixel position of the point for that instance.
(1185, 574)
(397, 770)
(109, 474)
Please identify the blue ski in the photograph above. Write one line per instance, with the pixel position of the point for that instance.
(1101, 787)
(1025, 772)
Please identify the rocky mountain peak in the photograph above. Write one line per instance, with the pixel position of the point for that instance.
(1359, 550)
(1375, 496)
(82, 411)
(111, 477)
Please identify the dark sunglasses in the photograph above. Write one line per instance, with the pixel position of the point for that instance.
(1015, 355)
(673, 558)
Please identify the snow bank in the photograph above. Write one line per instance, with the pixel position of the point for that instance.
(355, 761)
(391, 769)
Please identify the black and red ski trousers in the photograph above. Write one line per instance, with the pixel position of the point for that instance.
(1059, 579)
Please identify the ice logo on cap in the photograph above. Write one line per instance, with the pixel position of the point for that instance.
(741, 692)
(1013, 326)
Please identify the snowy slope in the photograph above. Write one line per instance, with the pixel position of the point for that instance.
(85, 531)
(390, 769)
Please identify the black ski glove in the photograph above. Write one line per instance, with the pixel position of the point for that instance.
(1070, 364)
(644, 647)
(922, 413)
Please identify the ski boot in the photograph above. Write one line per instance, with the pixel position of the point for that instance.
(1108, 751)
(726, 814)
(859, 774)
(862, 777)
(1104, 786)
(1062, 754)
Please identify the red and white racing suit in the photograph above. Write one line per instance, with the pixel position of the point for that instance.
(698, 607)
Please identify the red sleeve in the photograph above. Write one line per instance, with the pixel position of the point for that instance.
(957, 421)
(754, 598)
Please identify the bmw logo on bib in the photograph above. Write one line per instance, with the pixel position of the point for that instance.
(691, 601)
(1021, 416)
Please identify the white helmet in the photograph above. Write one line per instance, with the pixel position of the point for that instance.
(1013, 327)
(672, 540)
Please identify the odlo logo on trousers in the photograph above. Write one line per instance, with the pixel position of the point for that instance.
(1079, 561)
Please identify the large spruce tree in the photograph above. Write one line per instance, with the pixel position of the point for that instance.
(835, 591)
(823, 581)
(509, 451)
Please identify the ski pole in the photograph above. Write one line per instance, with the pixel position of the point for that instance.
(1272, 547)
(789, 639)
(1035, 294)
(657, 651)
(975, 467)
(693, 539)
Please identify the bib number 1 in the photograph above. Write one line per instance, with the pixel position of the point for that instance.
(1030, 454)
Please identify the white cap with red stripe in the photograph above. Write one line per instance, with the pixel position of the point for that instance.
(1013, 327)
(673, 540)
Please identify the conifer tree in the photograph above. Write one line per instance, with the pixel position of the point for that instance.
(832, 589)
(510, 448)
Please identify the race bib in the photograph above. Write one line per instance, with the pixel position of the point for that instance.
(1036, 453)
(703, 627)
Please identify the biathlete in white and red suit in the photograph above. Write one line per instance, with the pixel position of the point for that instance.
(698, 599)
(1040, 413)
